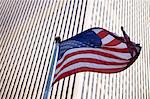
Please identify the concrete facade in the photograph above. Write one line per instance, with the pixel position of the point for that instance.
(27, 32)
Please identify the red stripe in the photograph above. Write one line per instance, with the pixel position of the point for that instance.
(114, 42)
(90, 52)
(122, 50)
(102, 34)
(90, 60)
(85, 69)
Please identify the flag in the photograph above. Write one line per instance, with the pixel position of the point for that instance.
(95, 50)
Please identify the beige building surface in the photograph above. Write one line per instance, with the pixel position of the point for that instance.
(27, 32)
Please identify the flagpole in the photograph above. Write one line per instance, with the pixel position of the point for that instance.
(52, 68)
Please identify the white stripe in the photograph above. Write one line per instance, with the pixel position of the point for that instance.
(89, 65)
(107, 39)
(118, 54)
(121, 45)
(95, 56)
(97, 30)
(92, 56)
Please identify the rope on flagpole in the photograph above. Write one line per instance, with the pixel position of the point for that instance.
(52, 68)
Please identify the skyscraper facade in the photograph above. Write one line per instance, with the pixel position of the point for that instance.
(27, 32)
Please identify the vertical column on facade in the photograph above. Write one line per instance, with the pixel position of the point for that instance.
(11, 58)
(7, 49)
(4, 12)
(23, 22)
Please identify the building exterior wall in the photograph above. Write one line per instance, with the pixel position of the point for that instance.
(27, 32)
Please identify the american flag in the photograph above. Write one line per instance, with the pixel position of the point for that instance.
(95, 50)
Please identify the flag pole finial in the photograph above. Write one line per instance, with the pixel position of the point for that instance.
(57, 39)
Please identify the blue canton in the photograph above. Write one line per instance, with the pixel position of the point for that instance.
(84, 39)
